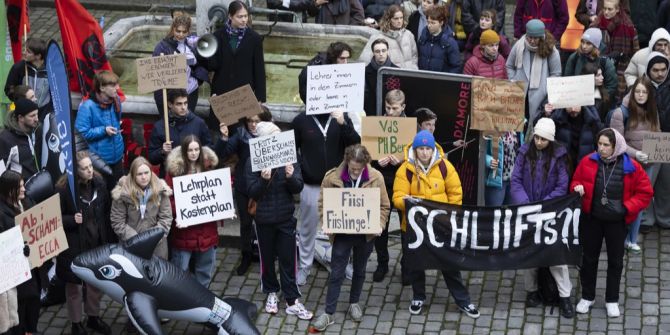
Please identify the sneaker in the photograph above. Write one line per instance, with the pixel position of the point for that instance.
(612, 309)
(355, 312)
(470, 310)
(299, 310)
(633, 248)
(323, 321)
(583, 306)
(271, 304)
(380, 273)
(567, 311)
(415, 307)
(533, 299)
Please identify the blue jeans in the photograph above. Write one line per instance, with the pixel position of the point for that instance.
(203, 261)
(634, 228)
(497, 196)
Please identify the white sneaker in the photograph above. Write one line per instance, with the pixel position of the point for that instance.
(583, 306)
(612, 309)
(299, 310)
(271, 304)
(634, 248)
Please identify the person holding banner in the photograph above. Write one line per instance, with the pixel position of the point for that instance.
(19, 133)
(427, 174)
(614, 189)
(34, 66)
(541, 173)
(198, 242)
(355, 171)
(87, 226)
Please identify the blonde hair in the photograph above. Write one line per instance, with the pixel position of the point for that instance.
(134, 190)
(394, 96)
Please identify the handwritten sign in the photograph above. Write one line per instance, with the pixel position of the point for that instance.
(335, 87)
(657, 146)
(385, 135)
(155, 73)
(231, 106)
(203, 197)
(15, 266)
(269, 152)
(42, 228)
(564, 92)
(498, 105)
(351, 211)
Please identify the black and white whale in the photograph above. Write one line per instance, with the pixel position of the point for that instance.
(152, 288)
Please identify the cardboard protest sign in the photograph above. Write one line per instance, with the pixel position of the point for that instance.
(15, 266)
(564, 92)
(203, 197)
(155, 73)
(42, 228)
(351, 211)
(231, 106)
(385, 135)
(335, 87)
(273, 151)
(498, 105)
(657, 146)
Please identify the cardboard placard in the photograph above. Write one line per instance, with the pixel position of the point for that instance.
(351, 211)
(657, 146)
(155, 73)
(42, 227)
(335, 87)
(564, 92)
(386, 135)
(15, 266)
(231, 106)
(273, 151)
(203, 197)
(498, 105)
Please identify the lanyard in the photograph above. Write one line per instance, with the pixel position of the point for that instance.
(324, 131)
(358, 180)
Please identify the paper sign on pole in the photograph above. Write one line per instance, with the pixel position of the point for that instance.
(564, 92)
(15, 266)
(335, 87)
(42, 228)
(498, 105)
(386, 135)
(273, 151)
(231, 106)
(203, 197)
(657, 146)
(351, 211)
(155, 73)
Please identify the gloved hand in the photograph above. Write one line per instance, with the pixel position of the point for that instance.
(642, 157)
(26, 249)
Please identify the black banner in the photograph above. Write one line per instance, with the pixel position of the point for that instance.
(442, 236)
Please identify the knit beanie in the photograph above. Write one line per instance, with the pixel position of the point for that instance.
(545, 128)
(535, 28)
(266, 128)
(593, 36)
(489, 37)
(24, 107)
(424, 138)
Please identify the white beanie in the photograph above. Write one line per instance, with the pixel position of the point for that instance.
(545, 128)
(266, 128)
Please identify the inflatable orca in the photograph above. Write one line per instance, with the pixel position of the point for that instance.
(152, 288)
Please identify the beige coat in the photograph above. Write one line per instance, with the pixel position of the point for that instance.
(402, 48)
(126, 219)
(9, 316)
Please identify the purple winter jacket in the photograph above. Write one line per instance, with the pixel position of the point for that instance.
(554, 14)
(525, 189)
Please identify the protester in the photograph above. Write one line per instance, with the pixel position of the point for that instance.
(425, 120)
(587, 10)
(355, 171)
(487, 21)
(86, 224)
(337, 53)
(99, 122)
(401, 42)
(554, 13)
(33, 64)
(417, 21)
(610, 201)
(453, 10)
(19, 132)
(576, 129)
(603, 97)
(660, 41)
(427, 174)
(409, 7)
(194, 244)
(473, 11)
(376, 9)
(346, 12)
(634, 121)
(487, 61)
(438, 50)
(22, 92)
(380, 48)
(180, 41)
(540, 174)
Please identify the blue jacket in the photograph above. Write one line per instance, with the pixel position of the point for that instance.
(439, 53)
(497, 181)
(91, 122)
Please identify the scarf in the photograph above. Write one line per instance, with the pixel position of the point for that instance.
(490, 58)
(620, 147)
(106, 102)
(536, 63)
(238, 32)
(144, 198)
(376, 66)
(620, 36)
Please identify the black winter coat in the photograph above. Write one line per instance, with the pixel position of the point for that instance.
(370, 97)
(274, 197)
(28, 152)
(663, 103)
(590, 128)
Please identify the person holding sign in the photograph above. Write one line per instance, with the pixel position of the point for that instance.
(355, 171)
(197, 242)
(614, 189)
(273, 190)
(427, 174)
(87, 226)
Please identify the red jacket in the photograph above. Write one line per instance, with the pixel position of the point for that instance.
(637, 190)
(477, 65)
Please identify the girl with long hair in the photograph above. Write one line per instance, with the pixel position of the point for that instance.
(402, 44)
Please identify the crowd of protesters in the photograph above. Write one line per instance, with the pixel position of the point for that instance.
(595, 151)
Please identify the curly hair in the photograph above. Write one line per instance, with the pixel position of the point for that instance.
(389, 13)
(178, 21)
(546, 45)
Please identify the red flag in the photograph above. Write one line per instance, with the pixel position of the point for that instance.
(17, 20)
(83, 46)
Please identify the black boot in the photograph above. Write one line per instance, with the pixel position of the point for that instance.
(533, 299)
(567, 311)
(130, 328)
(95, 323)
(244, 264)
(78, 329)
(380, 273)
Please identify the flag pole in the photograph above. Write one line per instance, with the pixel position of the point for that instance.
(165, 115)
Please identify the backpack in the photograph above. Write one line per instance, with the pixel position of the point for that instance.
(624, 111)
(443, 170)
(547, 287)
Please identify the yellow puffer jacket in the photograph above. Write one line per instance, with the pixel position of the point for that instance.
(431, 185)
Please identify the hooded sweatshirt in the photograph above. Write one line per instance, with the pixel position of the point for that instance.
(638, 63)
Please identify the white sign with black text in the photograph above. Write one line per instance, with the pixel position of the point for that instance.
(273, 151)
(335, 87)
(203, 197)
